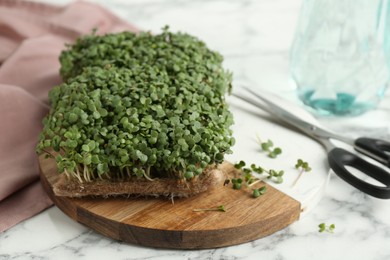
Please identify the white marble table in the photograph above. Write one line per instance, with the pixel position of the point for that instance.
(254, 36)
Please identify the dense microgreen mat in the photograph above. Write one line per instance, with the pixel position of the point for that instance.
(138, 105)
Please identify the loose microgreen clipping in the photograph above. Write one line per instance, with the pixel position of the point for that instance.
(268, 147)
(249, 179)
(275, 176)
(302, 167)
(239, 165)
(258, 192)
(324, 228)
(237, 183)
(257, 169)
(219, 208)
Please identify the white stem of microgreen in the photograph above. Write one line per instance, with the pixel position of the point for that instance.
(255, 182)
(302, 167)
(128, 171)
(122, 174)
(84, 172)
(258, 140)
(301, 172)
(107, 175)
(90, 174)
(67, 174)
(147, 174)
(100, 176)
(87, 175)
(76, 174)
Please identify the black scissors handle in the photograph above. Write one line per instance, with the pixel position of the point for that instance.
(375, 148)
(339, 158)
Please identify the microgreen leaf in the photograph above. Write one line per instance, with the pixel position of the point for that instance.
(239, 165)
(324, 228)
(258, 192)
(268, 147)
(237, 183)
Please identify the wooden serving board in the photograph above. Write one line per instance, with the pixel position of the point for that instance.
(157, 222)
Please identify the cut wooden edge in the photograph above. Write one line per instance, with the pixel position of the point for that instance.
(186, 239)
(173, 239)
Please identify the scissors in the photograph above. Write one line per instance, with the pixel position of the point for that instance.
(338, 158)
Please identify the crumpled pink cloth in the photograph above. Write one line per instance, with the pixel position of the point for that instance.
(32, 36)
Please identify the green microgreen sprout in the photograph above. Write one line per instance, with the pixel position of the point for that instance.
(275, 176)
(268, 147)
(324, 228)
(239, 165)
(250, 180)
(219, 208)
(237, 183)
(302, 167)
(258, 192)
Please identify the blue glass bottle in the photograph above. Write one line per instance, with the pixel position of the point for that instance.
(340, 55)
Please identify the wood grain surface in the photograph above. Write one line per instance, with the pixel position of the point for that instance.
(157, 222)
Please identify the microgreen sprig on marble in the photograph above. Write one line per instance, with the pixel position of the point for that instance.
(268, 147)
(248, 179)
(324, 228)
(302, 167)
(271, 174)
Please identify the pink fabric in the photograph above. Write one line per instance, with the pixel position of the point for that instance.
(32, 36)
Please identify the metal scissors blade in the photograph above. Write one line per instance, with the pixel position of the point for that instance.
(338, 158)
(376, 149)
(284, 115)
